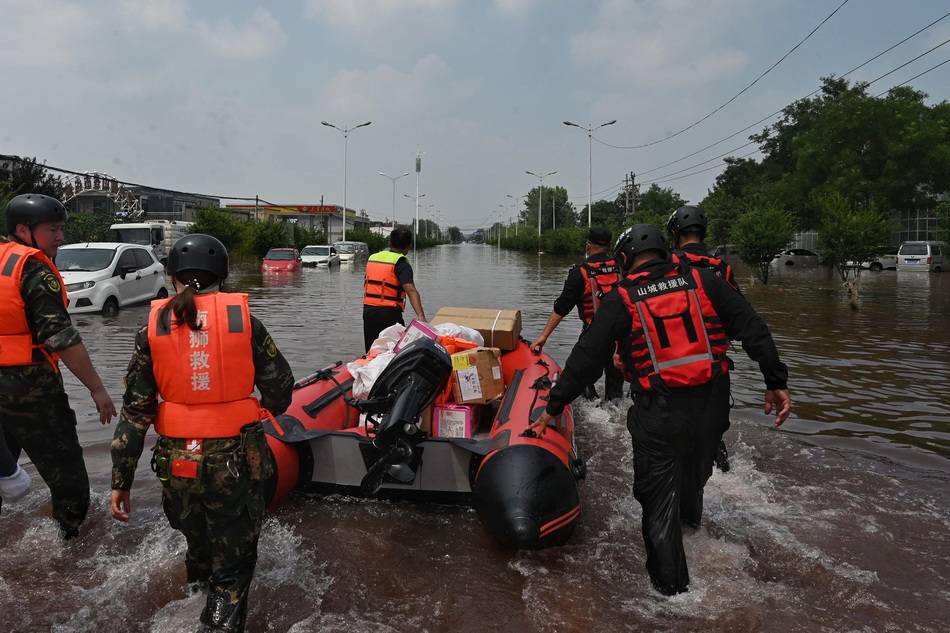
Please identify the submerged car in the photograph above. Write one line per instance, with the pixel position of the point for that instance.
(351, 251)
(796, 257)
(319, 255)
(281, 260)
(886, 260)
(106, 276)
(921, 257)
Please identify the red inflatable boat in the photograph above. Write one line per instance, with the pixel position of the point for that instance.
(523, 487)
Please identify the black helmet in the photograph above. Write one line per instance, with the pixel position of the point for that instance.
(32, 209)
(685, 217)
(637, 239)
(199, 252)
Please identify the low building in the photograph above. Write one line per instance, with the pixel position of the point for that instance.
(320, 217)
(100, 193)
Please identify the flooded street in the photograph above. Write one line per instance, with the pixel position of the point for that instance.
(838, 522)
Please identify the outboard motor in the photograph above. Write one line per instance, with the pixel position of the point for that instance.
(408, 385)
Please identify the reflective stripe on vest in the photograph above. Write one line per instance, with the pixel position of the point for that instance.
(382, 287)
(715, 264)
(205, 377)
(16, 338)
(670, 341)
(600, 277)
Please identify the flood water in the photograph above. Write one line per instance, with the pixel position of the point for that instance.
(840, 521)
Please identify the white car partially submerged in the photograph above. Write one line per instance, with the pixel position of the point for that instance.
(319, 255)
(106, 276)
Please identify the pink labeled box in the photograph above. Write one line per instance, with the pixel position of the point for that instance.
(415, 330)
(454, 420)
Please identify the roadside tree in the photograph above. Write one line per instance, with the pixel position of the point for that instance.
(760, 234)
(849, 233)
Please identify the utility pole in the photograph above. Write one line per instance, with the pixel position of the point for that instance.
(634, 194)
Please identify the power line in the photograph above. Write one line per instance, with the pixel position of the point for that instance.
(741, 92)
(809, 95)
(891, 89)
(643, 173)
(904, 83)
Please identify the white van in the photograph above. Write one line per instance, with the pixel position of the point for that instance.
(351, 251)
(921, 256)
(159, 235)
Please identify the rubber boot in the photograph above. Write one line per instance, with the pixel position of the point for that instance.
(222, 615)
(722, 457)
(590, 393)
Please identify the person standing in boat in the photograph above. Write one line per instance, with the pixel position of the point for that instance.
(388, 282)
(687, 228)
(35, 333)
(585, 286)
(673, 324)
(203, 353)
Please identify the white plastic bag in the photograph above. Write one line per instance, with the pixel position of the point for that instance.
(365, 375)
(387, 339)
(15, 486)
(460, 331)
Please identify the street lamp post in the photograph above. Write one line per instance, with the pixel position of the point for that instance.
(416, 227)
(345, 131)
(540, 178)
(590, 133)
(393, 179)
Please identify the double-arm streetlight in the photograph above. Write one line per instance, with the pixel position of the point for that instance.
(345, 131)
(590, 133)
(393, 179)
(540, 178)
(416, 227)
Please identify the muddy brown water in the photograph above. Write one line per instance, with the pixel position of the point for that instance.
(838, 522)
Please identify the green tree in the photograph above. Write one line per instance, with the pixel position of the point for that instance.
(455, 235)
(28, 176)
(943, 221)
(656, 204)
(760, 234)
(88, 227)
(305, 237)
(223, 225)
(890, 152)
(554, 205)
(849, 233)
(267, 235)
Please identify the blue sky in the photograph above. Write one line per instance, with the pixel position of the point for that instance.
(227, 97)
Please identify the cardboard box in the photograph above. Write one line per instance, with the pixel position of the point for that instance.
(499, 328)
(476, 376)
(414, 331)
(454, 420)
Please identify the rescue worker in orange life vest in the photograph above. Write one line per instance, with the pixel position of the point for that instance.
(585, 286)
(35, 333)
(388, 283)
(687, 227)
(673, 324)
(203, 353)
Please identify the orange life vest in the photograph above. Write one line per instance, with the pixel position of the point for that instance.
(715, 264)
(676, 338)
(205, 377)
(16, 339)
(382, 287)
(600, 277)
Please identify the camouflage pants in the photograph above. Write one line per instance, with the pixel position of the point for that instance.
(220, 514)
(46, 430)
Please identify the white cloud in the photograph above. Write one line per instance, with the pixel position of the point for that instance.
(357, 94)
(260, 37)
(363, 14)
(156, 14)
(662, 44)
(514, 7)
(36, 33)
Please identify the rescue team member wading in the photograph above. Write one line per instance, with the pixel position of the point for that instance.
(203, 353)
(586, 284)
(687, 226)
(388, 283)
(673, 325)
(35, 333)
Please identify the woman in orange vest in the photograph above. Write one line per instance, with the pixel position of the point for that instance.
(35, 333)
(192, 375)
